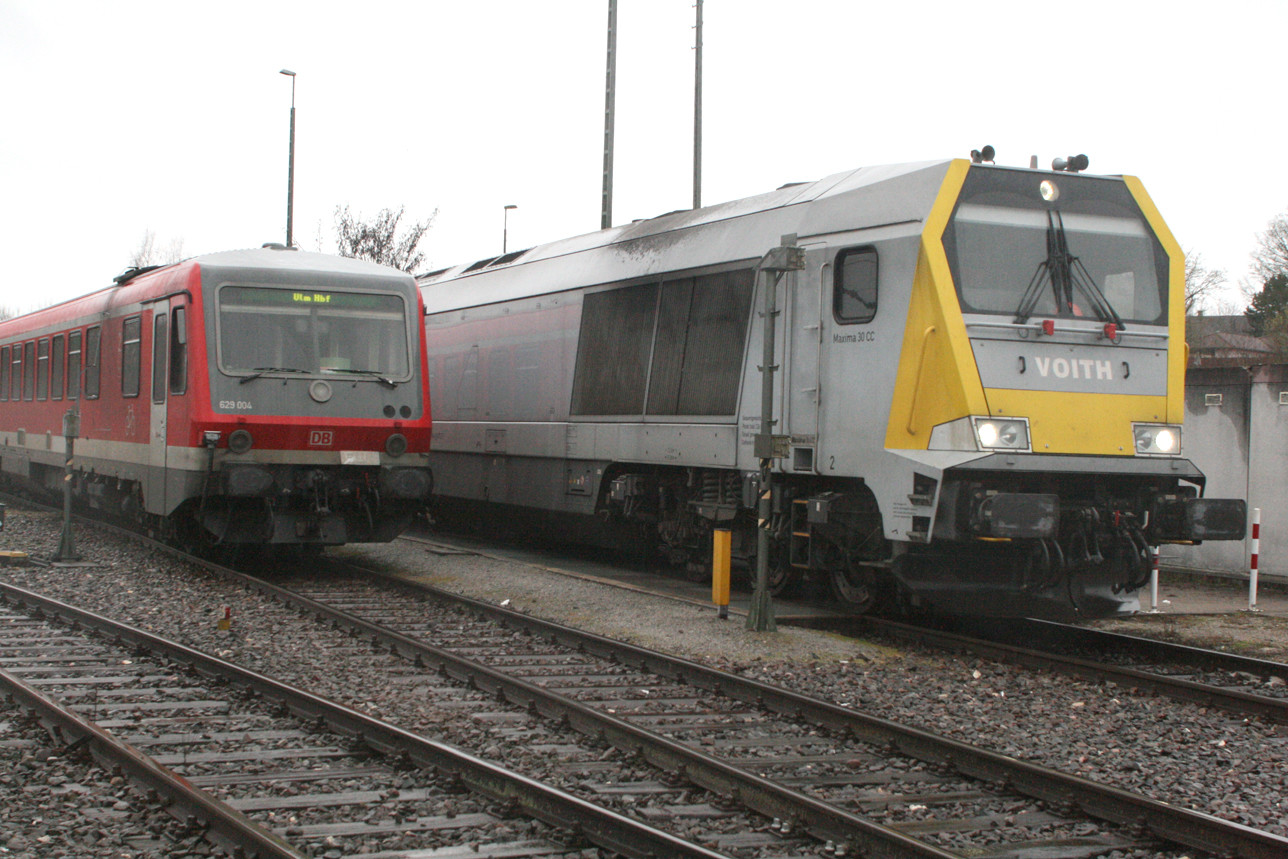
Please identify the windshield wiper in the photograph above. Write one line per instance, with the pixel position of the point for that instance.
(1066, 274)
(259, 371)
(380, 377)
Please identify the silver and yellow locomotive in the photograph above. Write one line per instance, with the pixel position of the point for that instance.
(978, 398)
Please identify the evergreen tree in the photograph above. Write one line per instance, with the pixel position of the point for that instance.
(1268, 305)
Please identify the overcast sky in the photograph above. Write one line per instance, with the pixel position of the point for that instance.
(126, 117)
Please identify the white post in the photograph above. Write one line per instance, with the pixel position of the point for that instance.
(1153, 580)
(1256, 551)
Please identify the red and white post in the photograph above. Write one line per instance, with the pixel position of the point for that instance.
(1256, 551)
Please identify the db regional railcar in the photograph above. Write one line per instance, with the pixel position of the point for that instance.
(252, 397)
(978, 401)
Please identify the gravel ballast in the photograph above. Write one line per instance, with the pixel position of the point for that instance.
(1184, 754)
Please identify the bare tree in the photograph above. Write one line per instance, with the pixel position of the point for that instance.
(142, 256)
(1271, 256)
(378, 241)
(148, 253)
(1202, 284)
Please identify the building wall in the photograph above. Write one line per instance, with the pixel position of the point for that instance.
(1241, 444)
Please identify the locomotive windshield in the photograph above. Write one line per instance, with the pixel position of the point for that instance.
(1024, 244)
(266, 329)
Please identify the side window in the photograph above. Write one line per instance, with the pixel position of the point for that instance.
(499, 373)
(613, 351)
(854, 288)
(29, 371)
(131, 354)
(697, 355)
(16, 378)
(42, 369)
(179, 351)
(4, 373)
(93, 344)
(73, 365)
(56, 367)
(159, 342)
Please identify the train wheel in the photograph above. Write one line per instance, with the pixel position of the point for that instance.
(854, 586)
(784, 579)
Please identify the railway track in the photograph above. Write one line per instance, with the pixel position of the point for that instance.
(812, 765)
(1242, 685)
(263, 769)
(853, 784)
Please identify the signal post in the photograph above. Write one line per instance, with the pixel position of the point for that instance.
(773, 265)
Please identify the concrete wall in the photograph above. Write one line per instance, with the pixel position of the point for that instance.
(1241, 444)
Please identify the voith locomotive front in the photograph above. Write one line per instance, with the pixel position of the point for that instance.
(978, 401)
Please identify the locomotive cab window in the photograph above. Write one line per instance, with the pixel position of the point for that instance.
(1023, 246)
(854, 286)
(314, 332)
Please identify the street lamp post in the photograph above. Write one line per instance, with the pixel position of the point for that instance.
(505, 227)
(290, 170)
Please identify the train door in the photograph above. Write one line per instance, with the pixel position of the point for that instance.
(803, 331)
(155, 489)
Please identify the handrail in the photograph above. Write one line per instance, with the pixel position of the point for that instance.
(916, 388)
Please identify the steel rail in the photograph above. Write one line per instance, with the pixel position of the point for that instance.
(1199, 657)
(821, 819)
(223, 825)
(1193, 829)
(1190, 828)
(1206, 694)
(569, 813)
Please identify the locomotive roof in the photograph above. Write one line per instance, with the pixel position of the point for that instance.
(736, 230)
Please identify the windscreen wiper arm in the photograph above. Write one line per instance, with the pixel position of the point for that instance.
(380, 377)
(1065, 272)
(259, 371)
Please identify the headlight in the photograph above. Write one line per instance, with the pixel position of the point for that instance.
(240, 441)
(1001, 433)
(1157, 439)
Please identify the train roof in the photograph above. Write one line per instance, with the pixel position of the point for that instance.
(736, 230)
(270, 263)
(280, 258)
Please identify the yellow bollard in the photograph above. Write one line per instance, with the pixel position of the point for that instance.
(722, 540)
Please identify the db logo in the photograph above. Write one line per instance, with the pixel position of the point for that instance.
(320, 438)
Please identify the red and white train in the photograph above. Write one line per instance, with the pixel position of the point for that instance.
(263, 396)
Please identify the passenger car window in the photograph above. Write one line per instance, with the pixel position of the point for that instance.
(131, 353)
(93, 342)
(73, 365)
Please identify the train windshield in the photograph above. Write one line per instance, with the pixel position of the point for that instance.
(266, 329)
(1082, 250)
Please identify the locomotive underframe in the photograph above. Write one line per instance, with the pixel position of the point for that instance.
(1050, 543)
(255, 504)
(321, 505)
